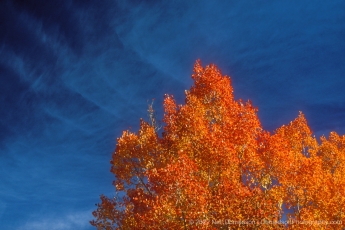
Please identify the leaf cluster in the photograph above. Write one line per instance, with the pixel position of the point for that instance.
(214, 162)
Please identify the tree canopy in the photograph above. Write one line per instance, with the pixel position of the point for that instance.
(215, 167)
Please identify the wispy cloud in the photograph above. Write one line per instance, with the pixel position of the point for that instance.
(60, 222)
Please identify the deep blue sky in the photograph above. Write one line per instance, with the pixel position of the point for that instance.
(74, 74)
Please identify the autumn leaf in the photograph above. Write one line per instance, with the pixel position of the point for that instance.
(214, 161)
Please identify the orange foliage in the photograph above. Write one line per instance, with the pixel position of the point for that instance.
(215, 165)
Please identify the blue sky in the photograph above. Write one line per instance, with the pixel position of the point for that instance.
(74, 74)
